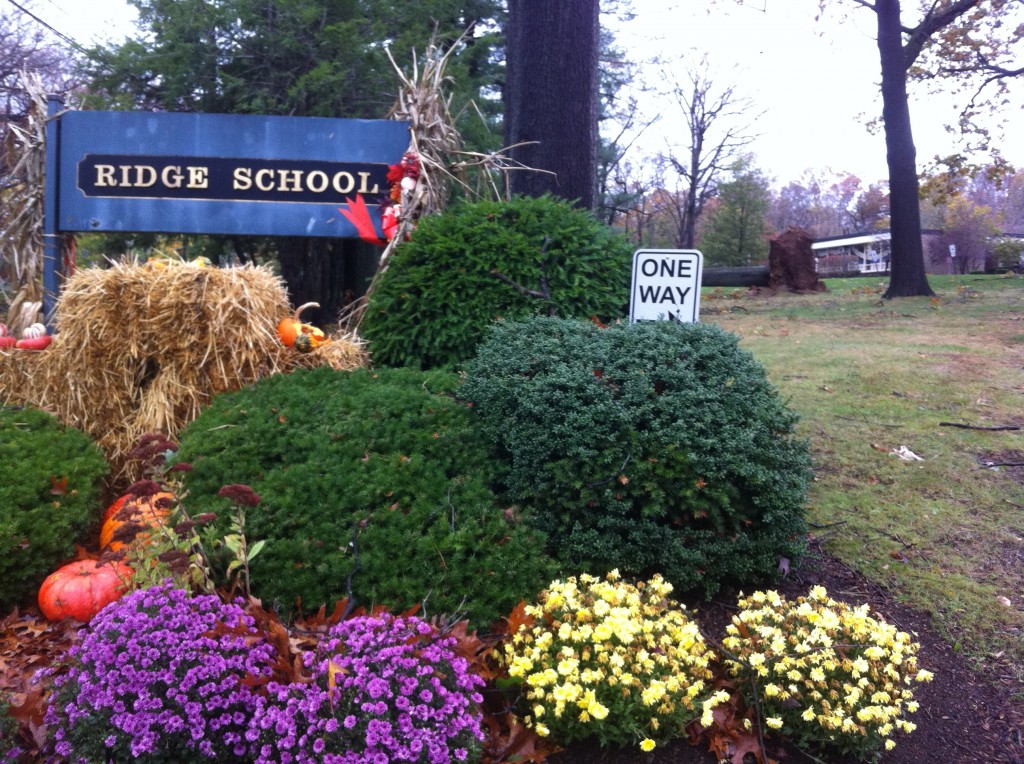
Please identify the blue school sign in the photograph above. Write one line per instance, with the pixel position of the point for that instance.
(211, 174)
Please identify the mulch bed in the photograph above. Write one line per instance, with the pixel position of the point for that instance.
(964, 717)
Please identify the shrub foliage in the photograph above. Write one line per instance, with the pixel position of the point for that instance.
(647, 447)
(377, 476)
(441, 292)
(50, 479)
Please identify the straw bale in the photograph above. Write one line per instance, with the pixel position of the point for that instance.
(140, 349)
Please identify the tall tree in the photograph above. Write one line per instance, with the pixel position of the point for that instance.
(735, 231)
(966, 40)
(301, 58)
(551, 97)
(716, 120)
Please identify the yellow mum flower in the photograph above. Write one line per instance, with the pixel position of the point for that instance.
(774, 722)
(646, 745)
(542, 730)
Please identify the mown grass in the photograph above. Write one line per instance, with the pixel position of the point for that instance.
(944, 534)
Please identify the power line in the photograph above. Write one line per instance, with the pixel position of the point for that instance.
(53, 29)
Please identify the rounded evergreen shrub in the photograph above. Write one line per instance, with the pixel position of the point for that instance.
(374, 477)
(50, 480)
(445, 287)
(651, 447)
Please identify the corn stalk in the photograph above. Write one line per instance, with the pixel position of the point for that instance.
(21, 238)
(444, 164)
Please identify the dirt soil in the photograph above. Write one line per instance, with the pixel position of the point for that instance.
(964, 717)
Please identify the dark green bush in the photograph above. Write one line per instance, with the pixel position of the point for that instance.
(440, 294)
(50, 480)
(645, 447)
(386, 459)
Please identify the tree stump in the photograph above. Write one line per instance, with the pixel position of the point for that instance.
(791, 263)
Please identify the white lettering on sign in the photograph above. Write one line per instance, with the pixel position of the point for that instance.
(666, 285)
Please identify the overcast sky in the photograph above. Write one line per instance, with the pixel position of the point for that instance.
(815, 82)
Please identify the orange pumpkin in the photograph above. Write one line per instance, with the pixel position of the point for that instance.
(81, 589)
(114, 508)
(140, 510)
(291, 328)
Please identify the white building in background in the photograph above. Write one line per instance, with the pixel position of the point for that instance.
(858, 253)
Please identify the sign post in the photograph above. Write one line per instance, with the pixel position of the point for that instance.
(666, 285)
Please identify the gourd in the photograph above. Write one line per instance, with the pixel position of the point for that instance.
(291, 328)
(143, 510)
(35, 331)
(81, 589)
(34, 337)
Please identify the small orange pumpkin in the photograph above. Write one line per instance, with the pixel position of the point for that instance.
(291, 328)
(140, 510)
(81, 589)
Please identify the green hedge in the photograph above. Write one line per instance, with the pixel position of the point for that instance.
(50, 482)
(388, 459)
(652, 447)
(442, 291)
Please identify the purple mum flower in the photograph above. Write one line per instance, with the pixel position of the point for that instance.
(385, 689)
(159, 674)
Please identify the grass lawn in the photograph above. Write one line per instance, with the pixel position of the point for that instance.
(943, 532)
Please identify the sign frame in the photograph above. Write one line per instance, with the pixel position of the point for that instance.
(291, 162)
(138, 147)
(666, 277)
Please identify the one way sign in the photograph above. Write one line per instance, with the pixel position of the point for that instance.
(666, 285)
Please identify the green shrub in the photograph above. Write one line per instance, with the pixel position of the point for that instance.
(652, 447)
(9, 748)
(435, 302)
(49, 495)
(383, 464)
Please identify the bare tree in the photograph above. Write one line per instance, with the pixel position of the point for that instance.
(718, 122)
(26, 46)
(829, 205)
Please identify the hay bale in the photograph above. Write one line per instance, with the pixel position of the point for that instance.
(140, 349)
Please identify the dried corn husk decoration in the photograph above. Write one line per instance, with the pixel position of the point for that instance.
(21, 238)
(436, 144)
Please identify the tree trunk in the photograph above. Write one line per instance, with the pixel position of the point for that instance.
(908, 277)
(751, 275)
(689, 226)
(551, 97)
(331, 272)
